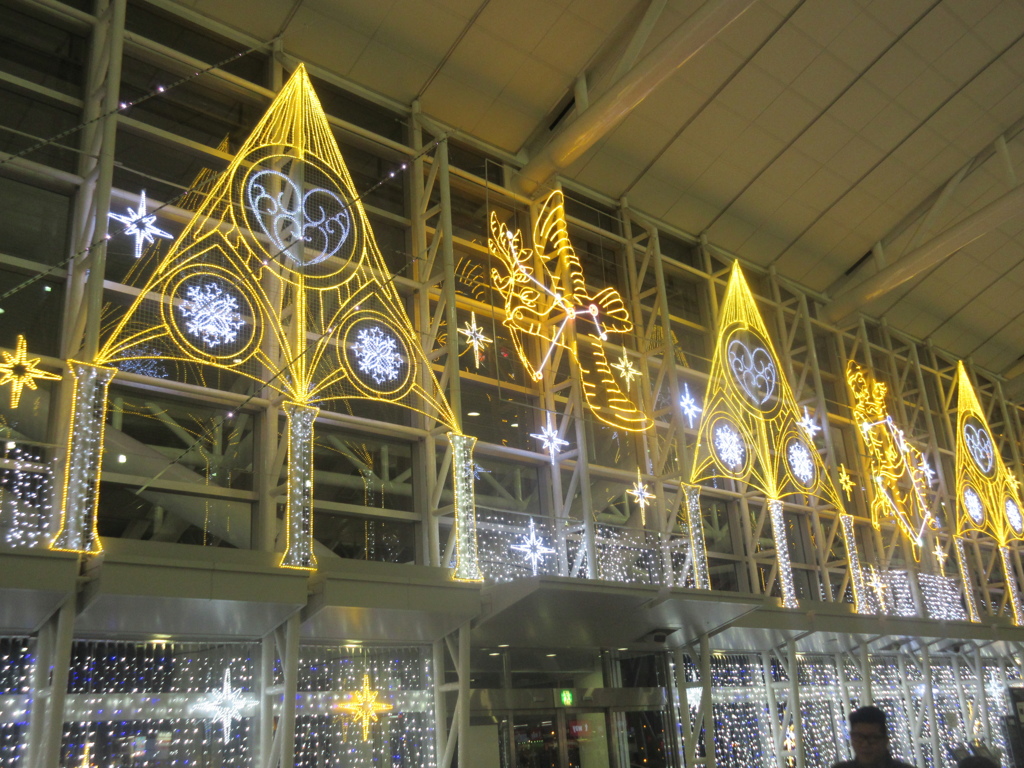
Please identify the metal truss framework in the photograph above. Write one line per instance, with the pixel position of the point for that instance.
(735, 545)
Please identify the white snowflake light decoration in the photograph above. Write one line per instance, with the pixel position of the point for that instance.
(1013, 515)
(549, 439)
(533, 548)
(642, 495)
(475, 338)
(211, 314)
(974, 506)
(140, 225)
(377, 354)
(801, 463)
(729, 446)
(626, 370)
(691, 408)
(226, 705)
(809, 425)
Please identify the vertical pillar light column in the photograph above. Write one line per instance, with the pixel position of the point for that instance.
(965, 580)
(695, 531)
(82, 463)
(467, 562)
(785, 566)
(1011, 585)
(856, 572)
(298, 524)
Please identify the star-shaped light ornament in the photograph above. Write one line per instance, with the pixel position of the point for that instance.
(549, 439)
(20, 371)
(140, 225)
(809, 424)
(226, 705)
(626, 370)
(929, 472)
(845, 481)
(363, 706)
(533, 548)
(475, 338)
(642, 496)
(691, 408)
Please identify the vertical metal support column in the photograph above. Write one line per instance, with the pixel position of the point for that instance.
(865, 677)
(928, 703)
(267, 692)
(1011, 585)
(290, 668)
(688, 751)
(48, 749)
(298, 524)
(793, 705)
(79, 502)
(777, 724)
(695, 530)
(440, 710)
(463, 706)
(979, 673)
(916, 719)
(706, 703)
(264, 535)
(96, 167)
(965, 580)
(856, 572)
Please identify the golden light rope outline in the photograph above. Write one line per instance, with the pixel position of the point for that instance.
(768, 425)
(891, 458)
(545, 294)
(296, 108)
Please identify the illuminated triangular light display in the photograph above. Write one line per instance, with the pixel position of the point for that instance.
(278, 277)
(547, 298)
(750, 429)
(987, 499)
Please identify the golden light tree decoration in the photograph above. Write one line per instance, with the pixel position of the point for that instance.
(278, 278)
(899, 470)
(750, 431)
(547, 299)
(987, 496)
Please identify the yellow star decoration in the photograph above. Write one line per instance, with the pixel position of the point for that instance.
(845, 481)
(363, 706)
(20, 371)
(626, 370)
(940, 556)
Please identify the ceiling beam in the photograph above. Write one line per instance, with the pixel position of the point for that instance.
(631, 89)
(930, 255)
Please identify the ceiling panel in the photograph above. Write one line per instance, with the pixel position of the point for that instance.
(803, 134)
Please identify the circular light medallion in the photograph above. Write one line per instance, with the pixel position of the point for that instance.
(211, 314)
(1013, 515)
(973, 505)
(377, 356)
(753, 369)
(979, 446)
(729, 446)
(801, 462)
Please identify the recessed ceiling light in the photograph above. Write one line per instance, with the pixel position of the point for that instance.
(503, 645)
(494, 654)
(551, 655)
(514, 424)
(473, 413)
(623, 649)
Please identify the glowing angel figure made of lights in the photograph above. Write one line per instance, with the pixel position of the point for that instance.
(278, 278)
(547, 299)
(751, 430)
(899, 471)
(987, 494)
